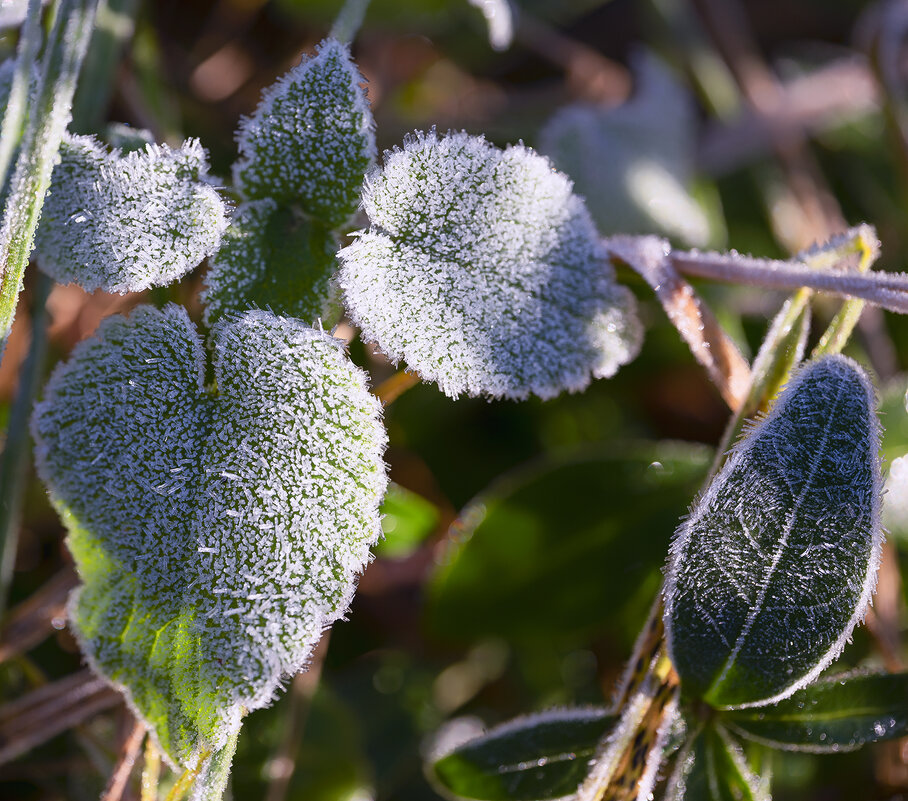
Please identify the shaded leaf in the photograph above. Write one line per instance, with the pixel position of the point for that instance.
(776, 563)
(216, 535)
(533, 757)
(482, 270)
(407, 519)
(545, 549)
(840, 713)
(272, 258)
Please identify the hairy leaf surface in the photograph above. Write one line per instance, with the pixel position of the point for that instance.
(216, 534)
(534, 757)
(272, 258)
(840, 713)
(777, 561)
(124, 223)
(311, 139)
(482, 270)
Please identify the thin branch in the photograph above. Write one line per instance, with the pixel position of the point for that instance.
(392, 388)
(38, 616)
(51, 710)
(710, 345)
(151, 771)
(128, 755)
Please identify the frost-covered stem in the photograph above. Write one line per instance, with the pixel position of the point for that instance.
(187, 778)
(49, 116)
(349, 20)
(695, 322)
(11, 130)
(888, 290)
(114, 27)
(128, 754)
(151, 771)
(212, 782)
(16, 452)
(392, 388)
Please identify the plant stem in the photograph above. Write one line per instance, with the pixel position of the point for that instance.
(349, 20)
(14, 462)
(392, 388)
(151, 771)
(187, 778)
(212, 782)
(48, 118)
(14, 117)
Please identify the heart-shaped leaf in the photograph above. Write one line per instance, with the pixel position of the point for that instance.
(273, 258)
(634, 164)
(482, 270)
(533, 757)
(777, 561)
(311, 139)
(217, 533)
(840, 713)
(124, 223)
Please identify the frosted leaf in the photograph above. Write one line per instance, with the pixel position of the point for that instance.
(216, 533)
(483, 271)
(633, 164)
(311, 138)
(124, 223)
(778, 559)
(271, 257)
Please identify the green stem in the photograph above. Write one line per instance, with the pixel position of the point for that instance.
(349, 20)
(14, 117)
(16, 453)
(49, 116)
(212, 782)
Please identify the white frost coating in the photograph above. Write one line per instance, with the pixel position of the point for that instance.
(482, 270)
(216, 535)
(633, 164)
(124, 223)
(777, 562)
(311, 139)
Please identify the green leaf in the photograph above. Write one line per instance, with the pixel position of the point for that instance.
(216, 533)
(777, 561)
(127, 222)
(540, 553)
(533, 757)
(712, 767)
(273, 258)
(483, 272)
(311, 139)
(407, 519)
(840, 713)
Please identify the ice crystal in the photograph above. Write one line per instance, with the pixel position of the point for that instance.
(216, 533)
(633, 164)
(124, 223)
(777, 561)
(482, 270)
(273, 258)
(311, 138)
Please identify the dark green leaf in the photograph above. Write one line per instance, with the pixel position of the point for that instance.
(836, 714)
(712, 767)
(543, 551)
(777, 561)
(535, 757)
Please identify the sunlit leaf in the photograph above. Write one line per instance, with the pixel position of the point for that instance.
(777, 561)
(216, 533)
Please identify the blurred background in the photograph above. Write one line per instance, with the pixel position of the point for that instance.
(524, 542)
